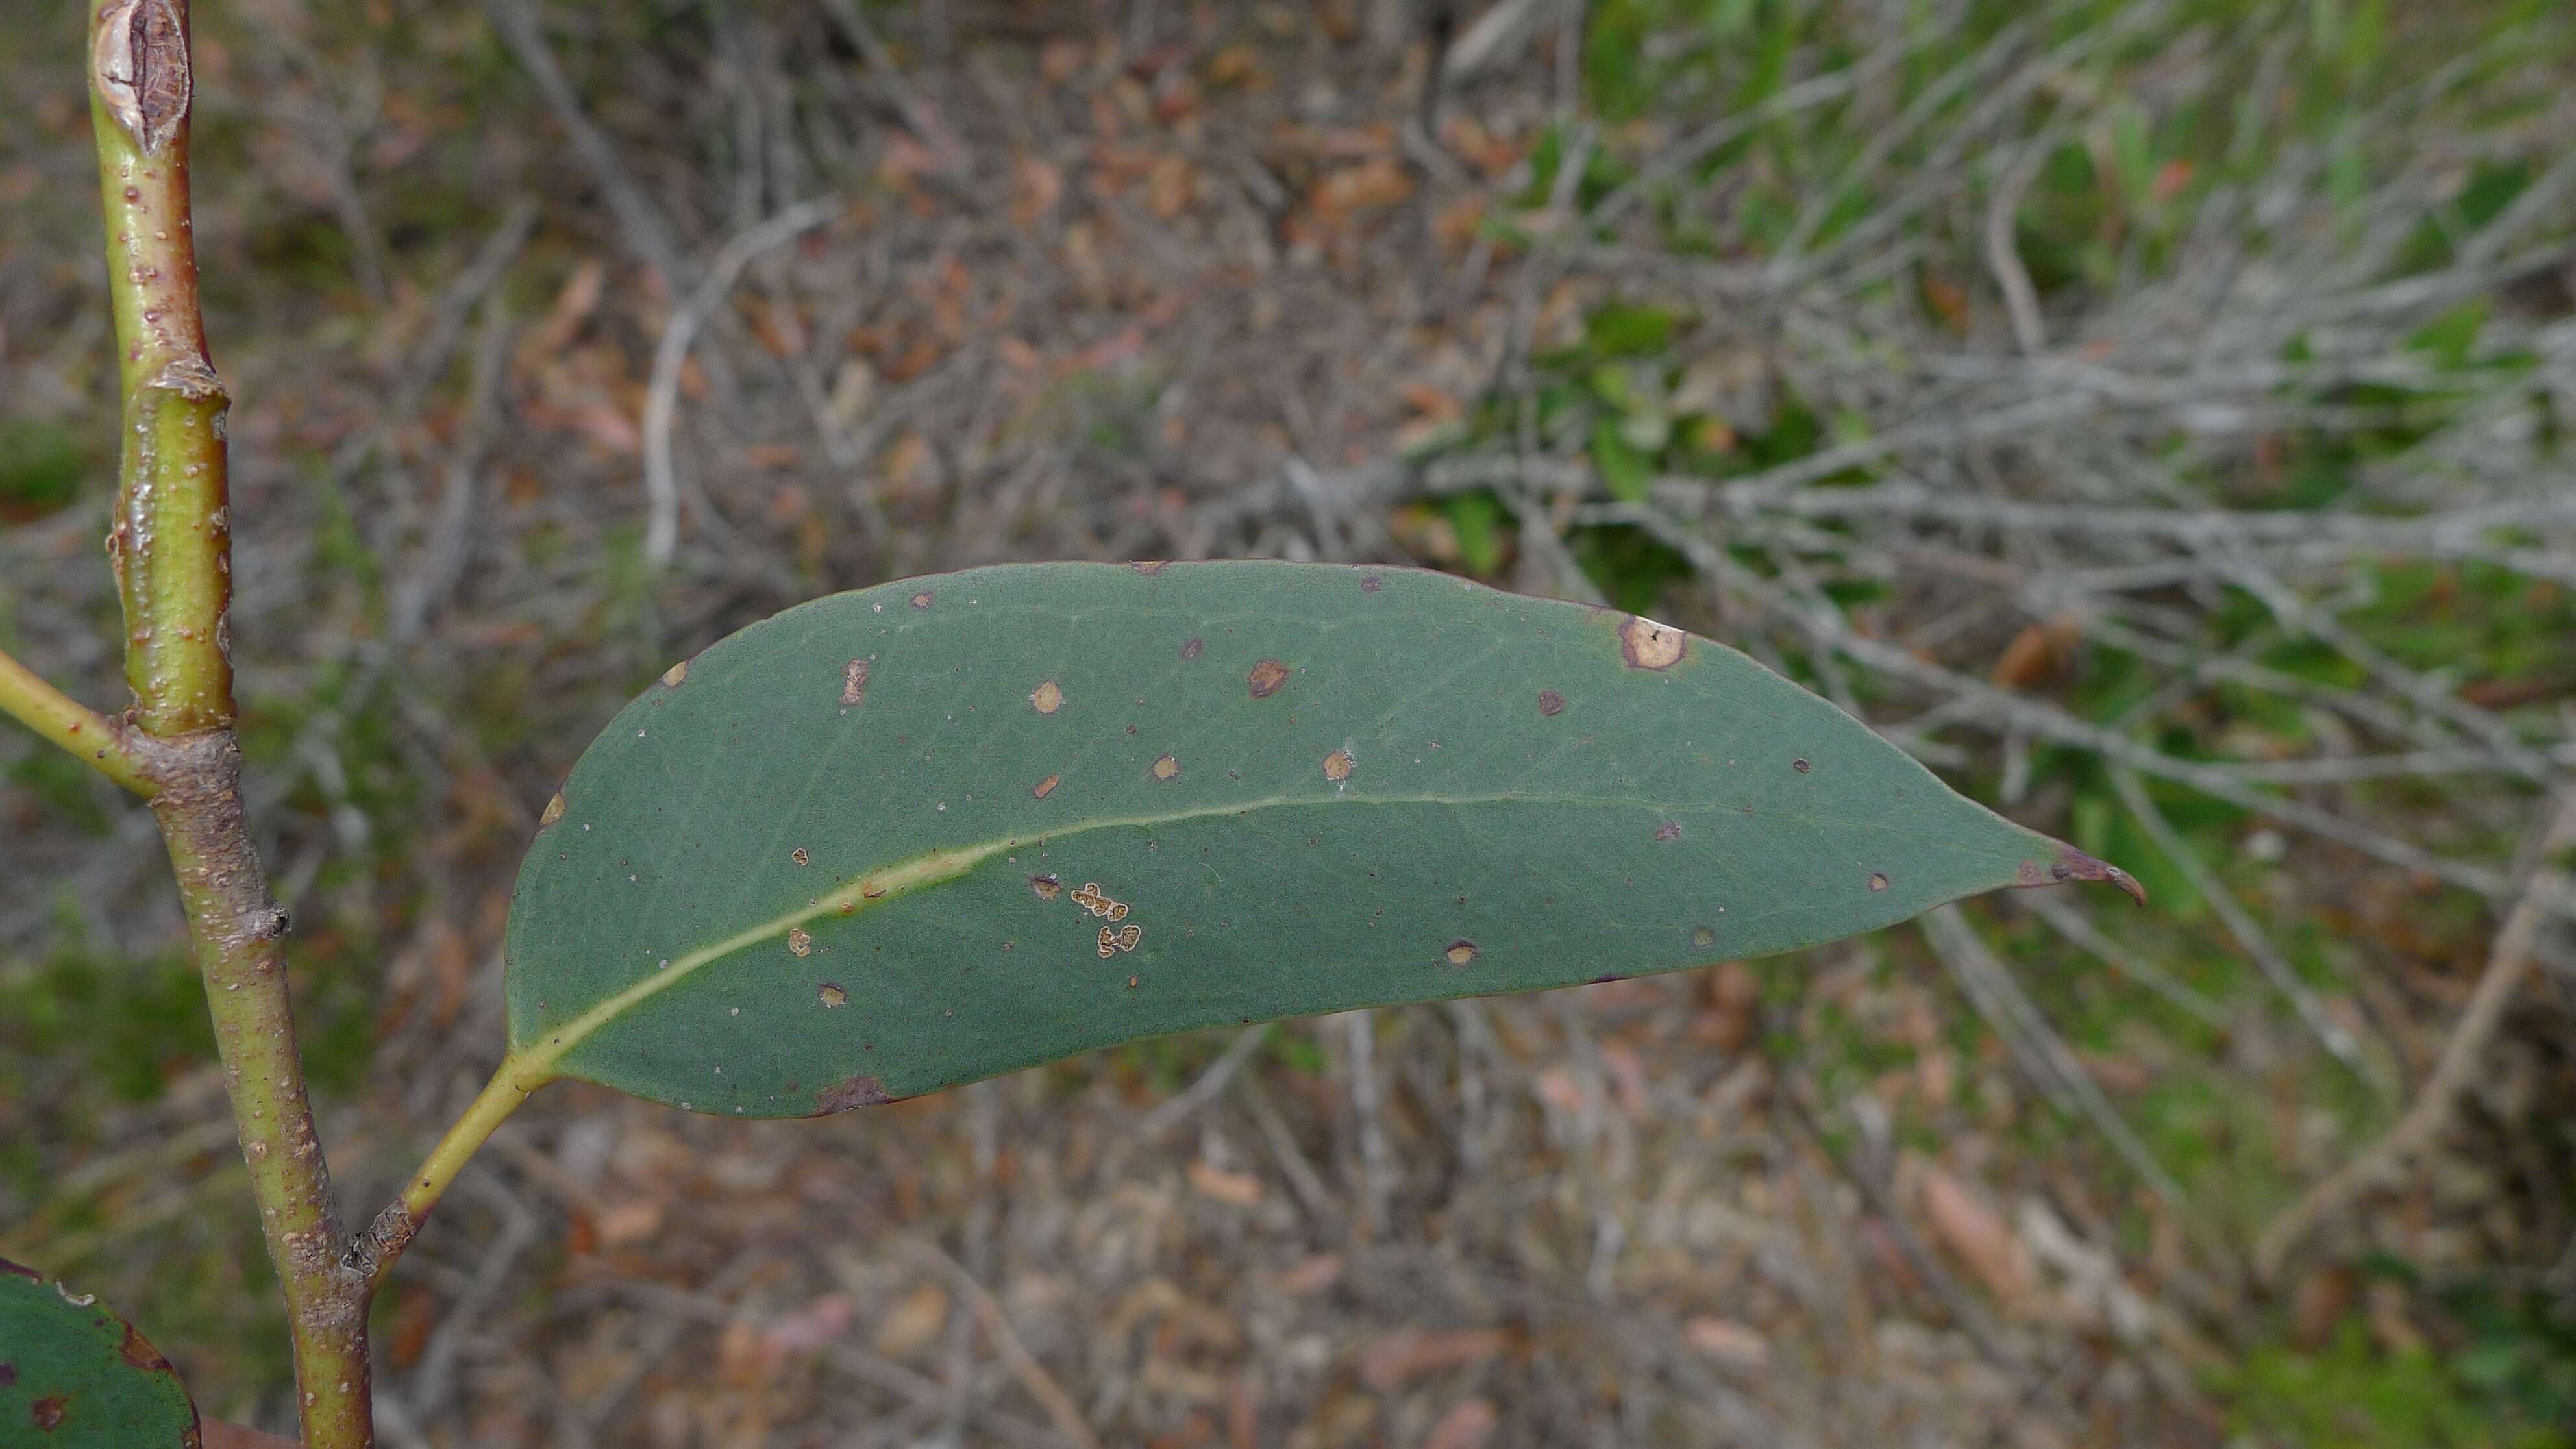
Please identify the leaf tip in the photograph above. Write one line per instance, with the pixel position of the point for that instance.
(2074, 865)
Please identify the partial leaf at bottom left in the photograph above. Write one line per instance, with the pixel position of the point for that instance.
(73, 1375)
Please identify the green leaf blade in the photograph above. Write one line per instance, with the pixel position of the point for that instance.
(74, 1375)
(859, 834)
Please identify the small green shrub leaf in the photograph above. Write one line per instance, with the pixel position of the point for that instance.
(904, 838)
(75, 1376)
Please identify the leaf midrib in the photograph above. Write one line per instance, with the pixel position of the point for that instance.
(534, 1064)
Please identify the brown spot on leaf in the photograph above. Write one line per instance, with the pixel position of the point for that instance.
(8, 1374)
(1703, 937)
(1190, 648)
(1045, 787)
(854, 681)
(831, 995)
(1150, 566)
(1337, 766)
(47, 1412)
(1047, 886)
(1167, 768)
(1800, 766)
(554, 811)
(138, 1352)
(1371, 583)
(799, 856)
(1047, 698)
(677, 672)
(1460, 952)
(1878, 880)
(858, 1091)
(921, 600)
(1646, 644)
(799, 943)
(1669, 830)
(1550, 703)
(1266, 677)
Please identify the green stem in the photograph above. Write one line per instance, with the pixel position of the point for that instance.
(171, 543)
(91, 737)
(395, 1227)
(171, 547)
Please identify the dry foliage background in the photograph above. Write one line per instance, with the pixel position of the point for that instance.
(2150, 412)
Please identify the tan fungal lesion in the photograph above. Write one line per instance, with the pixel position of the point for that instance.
(1703, 937)
(1266, 678)
(1047, 698)
(1550, 703)
(1046, 886)
(1669, 830)
(1122, 939)
(554, 811)
(672, 676)
(831, 996)
(854, 682)
(1460, 952)
(799, 856)
(1646, 644)
(1167, 768)
(1338, 766)
(1045, 787)
(141, 57)
(1878, 880)
(921, 600)
(1090, 898)
(798, 942)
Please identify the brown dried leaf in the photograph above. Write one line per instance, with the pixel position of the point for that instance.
(911, 1324)
(1241, 1189)
(1467, 1426)
(1977, 1235)
(1728, 1342)
(1400, 1358)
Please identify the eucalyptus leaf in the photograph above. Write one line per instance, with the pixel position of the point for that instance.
(899, 839)
(75, 1376)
